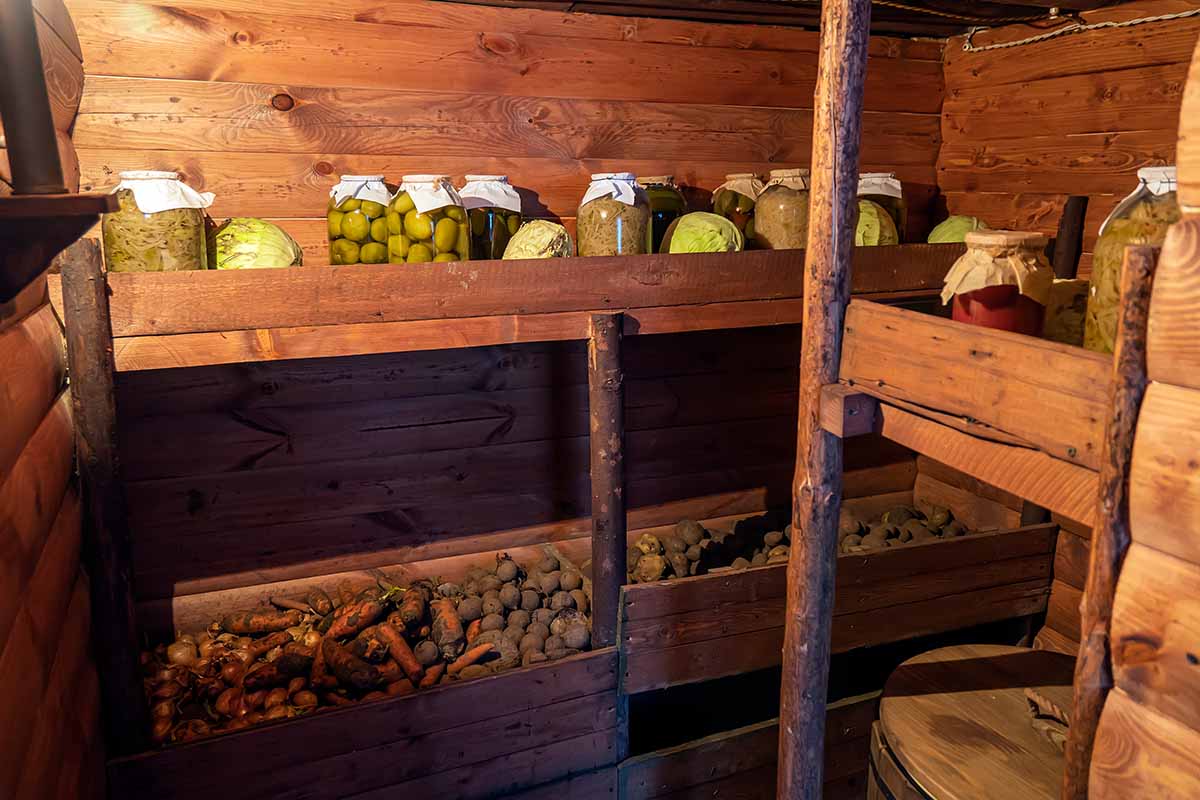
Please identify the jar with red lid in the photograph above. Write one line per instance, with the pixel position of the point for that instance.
(1002, 281)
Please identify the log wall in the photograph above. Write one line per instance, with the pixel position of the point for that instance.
(265, 102)
(1024, 128)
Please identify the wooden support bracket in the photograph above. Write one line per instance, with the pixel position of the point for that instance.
(846, 412)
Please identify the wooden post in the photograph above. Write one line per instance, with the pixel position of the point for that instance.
(106, 527)
(1110, 536)
(816, 491)
(606, 400)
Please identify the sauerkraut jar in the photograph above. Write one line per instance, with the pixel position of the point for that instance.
(667, 204)
(159, 226)
(427, 222)
(358, 231)
(1141, 218)
(781, 211)
(493, 212)
(613, 217)
(885, 190)
(734, 200)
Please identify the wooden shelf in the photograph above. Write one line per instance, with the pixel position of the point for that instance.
(186, 319)
(28, 206)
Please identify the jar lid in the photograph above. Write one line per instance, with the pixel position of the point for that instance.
(649, 180)
(149, 175)
(362, 177)
(877, 175)
(488, 178)
(788, 173)
(990, 238)
(613, 176)
(733, 176)
(1156, 174)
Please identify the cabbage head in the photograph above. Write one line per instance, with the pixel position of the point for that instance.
(247, 243)
(955, 229)
(875, 225)
(702, 232)
(539, 238)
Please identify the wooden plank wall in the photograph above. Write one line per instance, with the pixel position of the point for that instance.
(49, 693)
(1149, 731)
(265, 102)
(1023, 128)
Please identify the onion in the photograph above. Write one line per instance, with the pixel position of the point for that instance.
(296, 685)
(311, 639)
(254, 699)
(278, 712)
(243, 655)
(207, 648)
(253, 718)
(181, 652)
(275, 697)
(273, 654)
(232, 672)
(163, 709)
(161, 730)
(229, 702)
(186, 637)
(166, 690)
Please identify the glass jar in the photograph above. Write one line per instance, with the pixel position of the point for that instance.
(494, 214)
(158, 227)
(667, 204)
(1141, 218)
(781, 211)
(426, 221)
(734, 200)
(613, 217)
(1003, 281)
(884, 189)
(358, 231)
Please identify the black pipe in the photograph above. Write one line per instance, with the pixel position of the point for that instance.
(25, 104)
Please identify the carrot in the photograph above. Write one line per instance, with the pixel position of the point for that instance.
(318, 675)
(473, 631)
(470, 657)
(400, 688)
(369, 645)
(349, 669)
(296, 659)
(333, 698)
(318, 600)
(260, 647)
(245, 623)
(400, 651)
(354, 616)
(432, 676)
(412, 605)
(265, 676)
(447, 628)
(294, 605)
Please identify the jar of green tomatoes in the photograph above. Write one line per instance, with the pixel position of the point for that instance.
(358, 232)
(427, 222)
(667, 204)
(493, 214)
(158, 226)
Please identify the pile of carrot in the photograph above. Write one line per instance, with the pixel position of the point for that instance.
(310, 654)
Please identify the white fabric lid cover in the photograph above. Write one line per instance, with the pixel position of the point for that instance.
(430, 192)
(621, 186)
(489, 191)
(161, 190)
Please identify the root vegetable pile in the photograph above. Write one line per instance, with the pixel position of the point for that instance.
(317, 652)
(898, 526)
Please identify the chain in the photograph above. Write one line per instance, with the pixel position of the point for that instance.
(1075, 27)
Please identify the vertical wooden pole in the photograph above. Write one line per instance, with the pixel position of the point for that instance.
(1110, 536)
(816, 491)
(106, 527)
(606, 400)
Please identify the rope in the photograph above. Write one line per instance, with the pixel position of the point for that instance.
(952, 15)
(1076, 27)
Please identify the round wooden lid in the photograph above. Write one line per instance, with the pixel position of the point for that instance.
(958, 721)
(989, 238)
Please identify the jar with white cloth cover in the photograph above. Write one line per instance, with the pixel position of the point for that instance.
(357, 228)
(493, 213)
(427, 222)
(158, 227)
(613, 217)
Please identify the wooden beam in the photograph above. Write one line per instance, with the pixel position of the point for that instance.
(845, 412)
(1110, 539)
(106, 525)
(606, 430)
(816, 490)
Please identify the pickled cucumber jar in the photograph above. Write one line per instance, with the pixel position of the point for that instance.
(427, 222)
(613, 217)
(734, 199)
(1141, 218)
(358, 232)
(667, 204)
(158, 227)
(781, 212)
(884, 189)
(493, 214)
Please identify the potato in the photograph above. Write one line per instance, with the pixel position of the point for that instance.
(853, 540)
(554, 643)
(781, 551)
(874, 540)
(581, 600)
(954, 529)
(473, 671)
(304, 699)
(492, 603)
(650, 568)
(532, 582)
(450, 590)
(489, 583)
(938, 516)
(550, 582)
(514, 634)
(507, 654)
(493, 637)
(510, 596)
(570, 580)
(563, 653)
(673, 544)
(544, 615)
(740, 563)
(519, 619)
(632, 555)
(474, 573)
(689, 531)
(427, 653)
(649, 544)
(530, 600)
(539, 628)
(492, 622)
(507, 570)
(566, 618)
(548, 564)
(561, 600)
(470, 609)
(760, 558)
(577, 637)
(772, 539)
(531, 641)
(529, 657)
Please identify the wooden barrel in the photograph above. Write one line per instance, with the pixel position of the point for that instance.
(959, 724)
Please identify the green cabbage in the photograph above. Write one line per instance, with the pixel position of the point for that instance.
(247, 243)
(539, 238)
(955, 229)
(875, 225)
(702, 232)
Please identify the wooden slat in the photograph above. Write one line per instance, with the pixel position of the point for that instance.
(34, 365)
(1050, 639)
(1065, 488)
(938, 471)
(1172, 356)
(1155, 629)
(1164, 481)
(595, 785)
(977, 513)
(49, 589)
(1005, 380)
(1140, 753)
(23, 677)
(1062, 613)
(221, 762)
(27, 301)
(1071, 555)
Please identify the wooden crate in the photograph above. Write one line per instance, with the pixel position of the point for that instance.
(710, 626)
(557, 723)
(742, 762)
